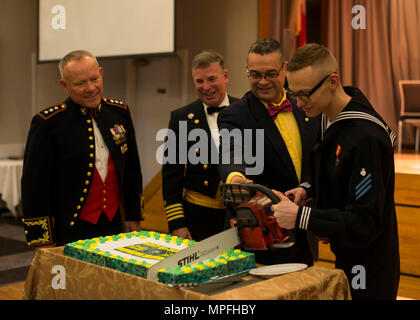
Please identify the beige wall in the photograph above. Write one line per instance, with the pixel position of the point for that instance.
(25, 86)
(227, 26)
(17, 39)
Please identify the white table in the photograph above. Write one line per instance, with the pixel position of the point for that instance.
(10, 188)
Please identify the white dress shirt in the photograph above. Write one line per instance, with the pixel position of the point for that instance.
(212, 121)
(102, 152)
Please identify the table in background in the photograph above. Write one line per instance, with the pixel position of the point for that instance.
(10, 186)
(88, 281)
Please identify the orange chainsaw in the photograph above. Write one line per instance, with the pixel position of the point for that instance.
(257, 227)
(254, 228)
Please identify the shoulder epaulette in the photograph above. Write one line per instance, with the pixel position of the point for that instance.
(115, 102)
(50, 111)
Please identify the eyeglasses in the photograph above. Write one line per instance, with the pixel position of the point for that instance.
(305, 97)
(270, 75)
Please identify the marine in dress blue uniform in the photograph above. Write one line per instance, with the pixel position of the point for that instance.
(81, 172)
(59, 165)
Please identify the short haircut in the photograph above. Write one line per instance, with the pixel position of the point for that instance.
(313, 54)
(74, 55)
(266, 46)
(206, 58)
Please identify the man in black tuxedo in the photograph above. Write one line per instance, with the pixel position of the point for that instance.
(288, 137)
(190, 184)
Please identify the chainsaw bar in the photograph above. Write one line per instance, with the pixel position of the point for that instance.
(205, 249)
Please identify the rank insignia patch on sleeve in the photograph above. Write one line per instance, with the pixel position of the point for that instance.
(364, 186)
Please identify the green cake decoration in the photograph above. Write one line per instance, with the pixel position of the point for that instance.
(135, 252)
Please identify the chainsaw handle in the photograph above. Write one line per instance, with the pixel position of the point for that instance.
(242, 189)
(236, 193)
(271, 195)
(265, 191)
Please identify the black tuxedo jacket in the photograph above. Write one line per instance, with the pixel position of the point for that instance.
(202, 177)
(278, 172)
(59, 163)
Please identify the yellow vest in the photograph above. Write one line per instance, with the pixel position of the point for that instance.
(289, 130)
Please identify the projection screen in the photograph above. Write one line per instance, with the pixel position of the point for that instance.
(107, 28)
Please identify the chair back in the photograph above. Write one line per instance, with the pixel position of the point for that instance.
(410, 98)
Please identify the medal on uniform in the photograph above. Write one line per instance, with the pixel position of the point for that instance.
(337, 155)
(118, 134)
(124, 148)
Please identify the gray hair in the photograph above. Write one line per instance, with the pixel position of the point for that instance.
(74, 55)
(206, 58)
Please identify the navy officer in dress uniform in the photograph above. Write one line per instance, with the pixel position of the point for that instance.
(81, 174)
(192, 200)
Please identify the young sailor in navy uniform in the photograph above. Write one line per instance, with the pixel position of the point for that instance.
(193, 203)
(81, 174)
(353, 177)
